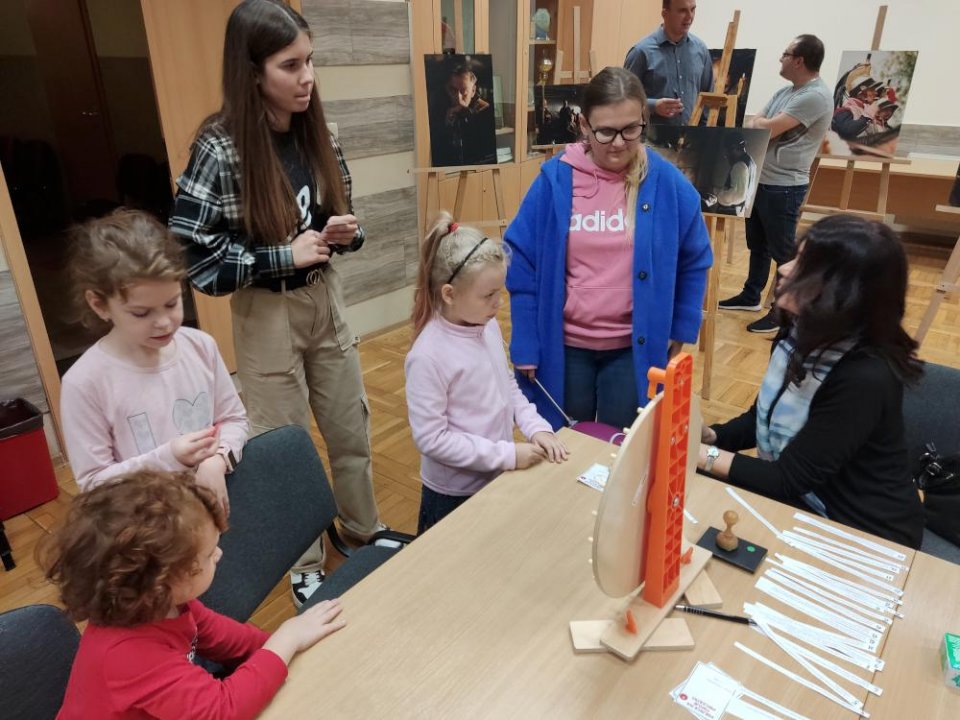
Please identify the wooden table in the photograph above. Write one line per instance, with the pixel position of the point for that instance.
(471, 620)
(912, 682)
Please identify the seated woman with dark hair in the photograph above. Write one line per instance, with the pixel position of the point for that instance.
(828, 422)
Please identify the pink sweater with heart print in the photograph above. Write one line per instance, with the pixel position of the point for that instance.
(119, 418)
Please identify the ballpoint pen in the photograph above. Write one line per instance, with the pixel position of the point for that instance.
(696, 610)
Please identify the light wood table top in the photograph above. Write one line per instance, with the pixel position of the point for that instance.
(471, 620)
(912, 681)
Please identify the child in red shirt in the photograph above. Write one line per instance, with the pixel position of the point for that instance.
(132, 559)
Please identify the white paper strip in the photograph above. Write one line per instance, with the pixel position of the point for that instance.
(849, 547)
(736, 496)
(830, 684)
(832, 561)
(847, 582)
(882, 549)
(824, 597)
(856, 595)
(854, 557)
(832, 644)
(848, 627)
(803, 681)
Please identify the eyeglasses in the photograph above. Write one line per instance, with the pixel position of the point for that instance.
(786, 54)
(630, 133)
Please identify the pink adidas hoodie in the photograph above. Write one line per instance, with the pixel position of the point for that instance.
(597, 313)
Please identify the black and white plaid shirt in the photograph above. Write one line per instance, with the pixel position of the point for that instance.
(208, 218)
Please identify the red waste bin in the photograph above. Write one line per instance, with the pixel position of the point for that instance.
(26, 472)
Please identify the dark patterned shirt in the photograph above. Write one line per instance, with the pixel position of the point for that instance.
(208, 217)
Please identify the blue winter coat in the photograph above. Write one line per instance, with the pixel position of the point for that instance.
(670, 261)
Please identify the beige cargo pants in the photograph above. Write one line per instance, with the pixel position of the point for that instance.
(296, 354)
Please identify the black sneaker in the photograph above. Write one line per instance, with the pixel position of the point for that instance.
(767, 324)
(739, 302)
(304, 585)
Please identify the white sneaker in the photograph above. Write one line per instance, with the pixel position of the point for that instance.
(304, 585)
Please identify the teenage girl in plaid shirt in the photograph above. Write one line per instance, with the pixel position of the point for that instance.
(262, 206)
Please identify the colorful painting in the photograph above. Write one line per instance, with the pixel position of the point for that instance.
(737, 81)
(870, 100)
(461, 110)
(723, 164)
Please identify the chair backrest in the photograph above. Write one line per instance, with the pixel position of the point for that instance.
(37, 647)
(931, 412)
(280, 502)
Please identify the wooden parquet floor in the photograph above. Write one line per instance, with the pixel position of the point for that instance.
(740, 361)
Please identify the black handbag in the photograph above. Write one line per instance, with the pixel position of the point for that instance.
(938, 480)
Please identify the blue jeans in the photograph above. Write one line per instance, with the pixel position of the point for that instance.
(771, 233)
(435, 506)
(600, 385)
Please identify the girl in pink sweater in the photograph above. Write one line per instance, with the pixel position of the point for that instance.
(132, 558)
(150, 394)
(462, 398)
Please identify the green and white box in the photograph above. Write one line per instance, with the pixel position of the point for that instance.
(950, 659)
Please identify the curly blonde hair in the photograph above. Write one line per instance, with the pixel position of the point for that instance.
(125, 544)
(111, 253)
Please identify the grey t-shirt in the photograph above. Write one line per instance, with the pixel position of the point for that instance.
(790, 155)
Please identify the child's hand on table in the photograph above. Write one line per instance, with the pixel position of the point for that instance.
(528, 455)
(306, 630)
(554, 450)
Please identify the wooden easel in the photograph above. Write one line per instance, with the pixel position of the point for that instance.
(846, 188)
(949, 281)
(720, 227)
(463, 173)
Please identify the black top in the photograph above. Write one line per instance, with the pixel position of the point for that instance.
(851, 452)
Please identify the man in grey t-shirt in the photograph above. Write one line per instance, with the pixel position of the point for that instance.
(673, 65)
(797, 116)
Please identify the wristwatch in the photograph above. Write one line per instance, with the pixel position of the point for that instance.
(713, 452)
(229, 459)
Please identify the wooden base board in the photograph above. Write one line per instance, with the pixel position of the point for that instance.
(628, 645)
(671, 634)
(703, 592)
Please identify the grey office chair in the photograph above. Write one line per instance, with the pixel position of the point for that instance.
(37, 647)
(280, 502)
(931, 414)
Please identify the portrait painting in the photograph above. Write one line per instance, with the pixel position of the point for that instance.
(461, 112)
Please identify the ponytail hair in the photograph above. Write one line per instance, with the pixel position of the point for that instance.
(449, 249)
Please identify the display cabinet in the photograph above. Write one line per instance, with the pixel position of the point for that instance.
(524, 55)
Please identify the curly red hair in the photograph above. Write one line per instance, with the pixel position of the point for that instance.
(125, 544)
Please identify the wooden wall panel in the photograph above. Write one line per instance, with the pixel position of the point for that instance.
(373, 126)
(390, 250)
(358, 32)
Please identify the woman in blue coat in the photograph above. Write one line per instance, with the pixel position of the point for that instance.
(609, 267)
